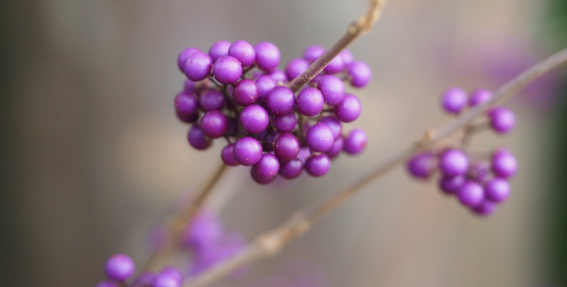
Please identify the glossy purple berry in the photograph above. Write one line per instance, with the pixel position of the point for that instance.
(267, 167)
(310, 102)
(347, 57)
(212, 100)
(317, 165)
(247, 151)
(197, 138)
(502, 120)
(504, 164)
(453, 162)
(254, 119)
(265, 85)
(227, 155)
(485, 208)
(107, 283)
(285, 124)
(335, 66)
(227, 70)
(280, 101)
(479, 97)
(348, 109)
(360, 74)
(312, 53)
(336, 148)
(295, 68)
(186, 106)
(267, 55)
(184, 55)
(243, 52)
(319, 138)
(286, 146)
(262, 181)
(422, 165)
(219, 50)
(332, 89)
(454, 100)
(450, 184)
(334, 124)
(246, 92)
(120, 267)
(497, 190)
(291, 169)
(470, 194)
(355, 142)
(198, 66)
(214, 124)
(278, 75)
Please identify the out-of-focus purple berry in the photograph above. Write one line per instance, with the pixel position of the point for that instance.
(227, 155)
(204, 230)
(265, 85)
(267, 167)
(172, 272)
(310, 102)
(219, 50)
(246, 92)
(335, 66)
(280, 101)
(285, 124)
(214, 124)
(485, 208)
(107, 283)
(267, 55)
(479, 97)
(198, 66)
(186, 106)
(189, 86)
(497, 190)
(165, 280)
(304, 153)
(453, 162)
(247, 151)
(502, 120)
(197, 138)
(332, 89)
(319, 138)
(334, 124)
(347, 57)
(291, 169)
(454, 100)
(504, 164)
(243, 52)
(144, 280)
(317, 165)
(119, 267)
(470, 194)
(286, 146)
(355, 142)
(295, 68)
(227, 70)
(479, 171)
(336, 148)
(184, 55)
(348, 109)
(278, 75)
(212, 100)
(422, 165)
(254, 119)
(360, 74)
(312, 53)
(450, 184)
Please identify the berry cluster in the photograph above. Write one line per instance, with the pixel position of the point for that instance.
(266, 124)
(479, 183)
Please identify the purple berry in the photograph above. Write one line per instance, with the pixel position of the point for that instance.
(319, 137)
(267, 167)
(470, 194)
(198, 66)
(336, 148)
(227, 70)
(355, 142)
(450, 184)
(267, 56)
(246, 92)
(497, 190)
(502, 120)
(280, 101)
(360, 74)
(278, 75)
(254, 119)
(310, 102)
(197, 138)
(347, 57)
(107, 284)
(285, 124)
(312, 53)
(304, 153)
(184, 55)
(504, 164)
(486, 208)
(243, 52)
(189, 86)
(227, 155)
(204, 230)
(479, 172)
(265, 85)
(454, 100)
(262, 181)
(144, 280)
(186, 106)
(332, 88)
(212, 100)
(335, 66)
(247, 151)
(295, 68)
(453, 162)
(422, 165)
(173, 272)
(286, 146)
(119, 267)
(318, 165)
(334, 124)
(214, 124)
(269, 139)
(165, 280)
(348, 109)
(219, 50)
(479, 97)
(291, 169)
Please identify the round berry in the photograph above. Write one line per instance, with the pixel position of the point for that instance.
(470, 194)
(246, 92)
(212, 100)
(348, 109)
(267, 55)
(295, 68)
(219, 50)
(502, 120)
(120, 267)
(166, 280)
(319, 137)
(184, 55)
(107, 284)
(310, 102)
(450, 184)
(227, 70)
(497, 190)
(243, 52)
(254, 119)
(334, 124)
(422, 165)
(312, 53)
(504, 164)
(189, 86)
(145, 279)
(304, 153)
(291, 169)
(267, 167)
(285, 124)
(186, 106)
(355, 142)
(227, 155)
(453, 162)
(259, 180)
(454, 100)
(198, 66)
(332, 88)
(197, 138)
(214, 124)
(205, 229)
(335, 66)
(347, 57)
(336, 148)
(360, 74)
(479, 97)
(486, 208)
(286, 146)
(247, 151)
(265, 85)
(318, 165)
(280, 100)
(278, 75)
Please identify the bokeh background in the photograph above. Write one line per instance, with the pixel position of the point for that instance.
(92, 154)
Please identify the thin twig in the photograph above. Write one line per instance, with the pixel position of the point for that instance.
(271, 243)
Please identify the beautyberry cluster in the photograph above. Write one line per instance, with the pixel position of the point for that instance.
(120, 268)
(266, 124)
(478, 182)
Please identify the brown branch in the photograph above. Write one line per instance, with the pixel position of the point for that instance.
(271, 243)
(355, 30)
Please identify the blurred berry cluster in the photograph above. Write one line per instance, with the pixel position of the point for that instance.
(237, 92)
(479, 181)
